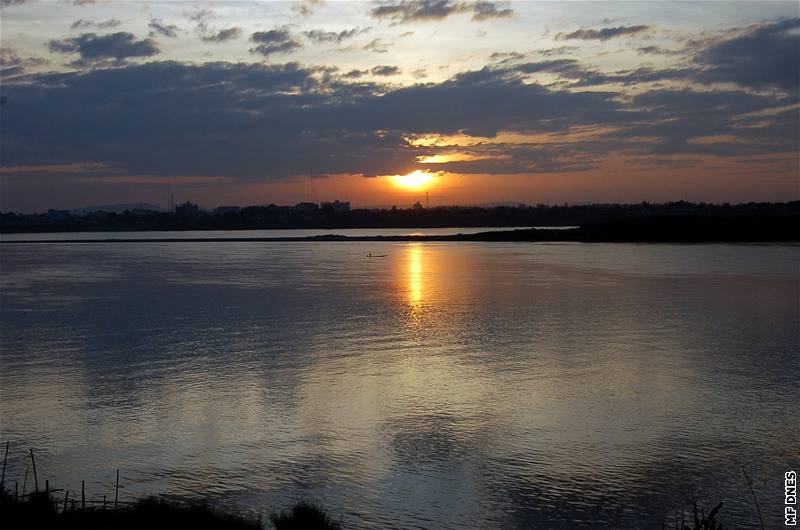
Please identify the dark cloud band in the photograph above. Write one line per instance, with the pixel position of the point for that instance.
(119, 46)
(603, 34)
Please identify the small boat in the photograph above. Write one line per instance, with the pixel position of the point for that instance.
(371, 255)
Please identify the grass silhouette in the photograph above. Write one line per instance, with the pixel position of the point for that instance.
(303, 515)
(41, 510)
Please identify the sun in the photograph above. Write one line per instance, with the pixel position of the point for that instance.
(416, 180)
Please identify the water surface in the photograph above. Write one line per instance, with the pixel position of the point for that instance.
(458, 385)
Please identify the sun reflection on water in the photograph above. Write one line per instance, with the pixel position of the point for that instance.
(414, 273)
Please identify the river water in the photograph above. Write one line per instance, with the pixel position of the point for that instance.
(445, 385)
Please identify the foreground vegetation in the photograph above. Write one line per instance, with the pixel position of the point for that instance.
(699, 521)
(48, 509)
(42, 510)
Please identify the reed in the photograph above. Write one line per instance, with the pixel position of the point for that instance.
(304, 515)
(699, 521)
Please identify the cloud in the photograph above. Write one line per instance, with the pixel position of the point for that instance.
(81, 23)
(568, 68)
(562, 50)
(763, 56)
(427, 10)
(377, 46)
(656, 50)
(506, 56)
(385, 70)
(119, 46)
(318, 35)
(355, 74)
(251, 122)
(489, 10)
(199, 15)
(679, 116)
(305, 7)
(11, 57)
(412, 10)
(9, 72)
(602, 34)
(207, 34)
(633, 77)
(509, 67)
(766, 56)
(13, 65)
(278, 40)
(7, 3)
(222, 35)
(579, 75)
(157, 27)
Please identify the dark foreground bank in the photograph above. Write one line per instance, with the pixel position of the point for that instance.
(60, 509)
(42, 510)
(685, 229)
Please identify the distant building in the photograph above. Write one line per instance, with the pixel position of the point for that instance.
(417, 206)
(336, 206)
(306, 206)
(187, 209)
(222, 210)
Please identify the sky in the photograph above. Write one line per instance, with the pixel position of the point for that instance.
(257, 102)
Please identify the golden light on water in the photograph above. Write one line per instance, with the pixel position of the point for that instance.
(416, 180)
(415, 288)
(414, 274)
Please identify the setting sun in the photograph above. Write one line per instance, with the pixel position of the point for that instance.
(415, 180)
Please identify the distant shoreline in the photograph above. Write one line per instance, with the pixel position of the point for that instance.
(626, 218)
(655, 230)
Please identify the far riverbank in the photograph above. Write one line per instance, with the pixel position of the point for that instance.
(652, 230)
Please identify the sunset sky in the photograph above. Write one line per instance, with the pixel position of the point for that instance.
(232, 102)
